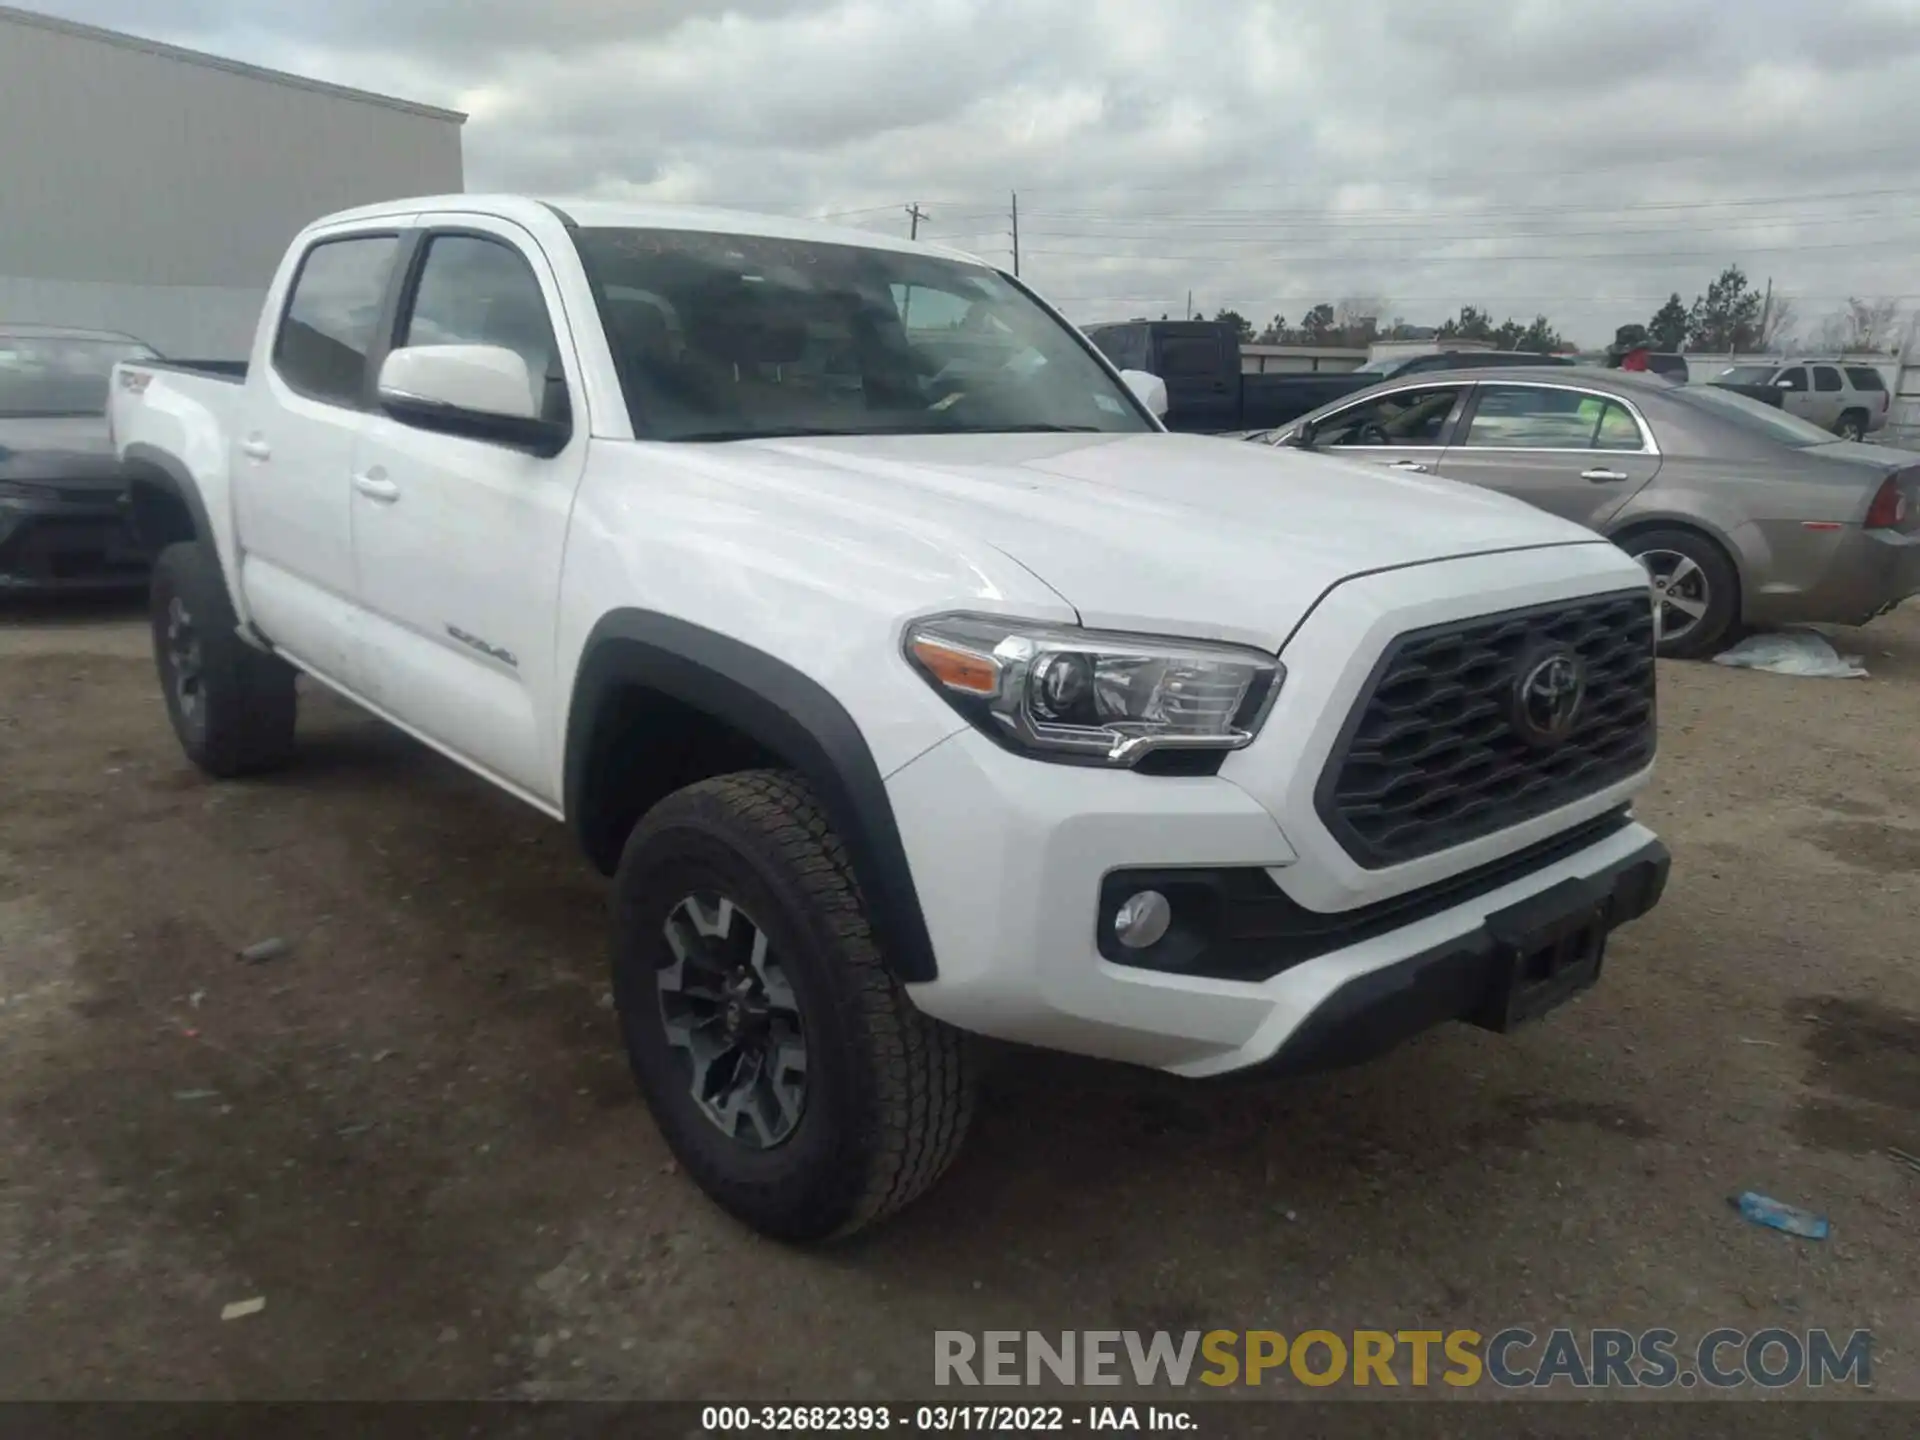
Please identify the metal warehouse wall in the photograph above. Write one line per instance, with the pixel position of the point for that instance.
(151, 190)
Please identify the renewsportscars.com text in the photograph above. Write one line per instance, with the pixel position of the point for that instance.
(1513, 1358)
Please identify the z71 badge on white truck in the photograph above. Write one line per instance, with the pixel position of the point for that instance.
(907, 676)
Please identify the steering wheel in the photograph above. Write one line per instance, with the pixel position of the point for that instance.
(1371, 432)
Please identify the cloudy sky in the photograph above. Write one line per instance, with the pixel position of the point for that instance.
(1581, 158)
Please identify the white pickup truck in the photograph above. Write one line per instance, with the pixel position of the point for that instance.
(907, 676)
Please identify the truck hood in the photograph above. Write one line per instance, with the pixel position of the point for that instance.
(1174, 534)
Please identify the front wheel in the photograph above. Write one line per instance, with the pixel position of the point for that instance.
(787, 1069)
(1696, 587)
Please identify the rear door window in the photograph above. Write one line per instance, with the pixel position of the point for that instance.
(1825, 377)
(1535, 417)
(328, 328)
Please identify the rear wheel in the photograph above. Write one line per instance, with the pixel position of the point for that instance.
(1697, 588)
(787, 1069)
(232, 706)
(1852, 426)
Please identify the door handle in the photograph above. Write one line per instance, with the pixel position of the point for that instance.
(255, 448)
(1409, 465)
(375, 485)
(1603, 474)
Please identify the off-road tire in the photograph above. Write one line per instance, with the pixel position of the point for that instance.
(889, 1092)
(239, 718)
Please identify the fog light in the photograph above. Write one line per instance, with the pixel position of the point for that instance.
(1142, 919)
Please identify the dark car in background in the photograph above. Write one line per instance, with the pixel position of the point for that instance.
(63, 525)
(1199, 360)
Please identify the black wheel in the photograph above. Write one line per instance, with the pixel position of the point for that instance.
(787, 1069)
(232, 706)
(1852, 426)
(1698, 589)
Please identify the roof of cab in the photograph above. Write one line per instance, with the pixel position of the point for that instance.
(644, 215)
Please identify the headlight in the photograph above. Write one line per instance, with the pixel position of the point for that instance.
(1064, 693)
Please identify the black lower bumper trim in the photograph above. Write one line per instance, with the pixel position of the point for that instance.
(1468, 978)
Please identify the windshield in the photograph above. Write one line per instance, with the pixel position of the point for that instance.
(1754, 416)
(55, 375)
(733, 337)
(1744, 375)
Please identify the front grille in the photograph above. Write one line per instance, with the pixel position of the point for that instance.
(1432, 757)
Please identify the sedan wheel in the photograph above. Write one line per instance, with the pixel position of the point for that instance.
(1683, 591)
(1695, 587)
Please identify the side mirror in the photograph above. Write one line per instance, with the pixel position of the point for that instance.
(1149, 390)
(1300, 437)
(1785, 385)
(482, 391)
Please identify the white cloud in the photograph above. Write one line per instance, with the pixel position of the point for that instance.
(1519, 155)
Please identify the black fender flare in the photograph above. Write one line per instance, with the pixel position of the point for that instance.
(785, 712)
(148, 466)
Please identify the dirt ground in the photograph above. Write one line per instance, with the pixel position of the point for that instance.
(414, 1134)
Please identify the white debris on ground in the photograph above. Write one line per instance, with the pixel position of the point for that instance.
(1793, 652)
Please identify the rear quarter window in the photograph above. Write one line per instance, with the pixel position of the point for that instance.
(1865, 377)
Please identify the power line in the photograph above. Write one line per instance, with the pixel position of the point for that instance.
(1719, 252)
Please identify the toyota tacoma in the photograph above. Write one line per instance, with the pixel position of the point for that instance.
(908, 678)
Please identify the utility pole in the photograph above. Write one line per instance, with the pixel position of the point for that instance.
(1766, 310)
(1189, 312)
(1016, 231)
(916, 214)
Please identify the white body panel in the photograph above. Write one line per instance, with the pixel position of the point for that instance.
(453, 584)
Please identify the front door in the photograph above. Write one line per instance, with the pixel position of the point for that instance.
(299, 422)
(458, 541)
(1796, 392)
(1402, 429)
(1574, 452)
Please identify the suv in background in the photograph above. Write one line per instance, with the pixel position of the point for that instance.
(1850, 399)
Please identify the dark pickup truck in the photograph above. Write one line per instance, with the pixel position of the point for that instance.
(1206, 391)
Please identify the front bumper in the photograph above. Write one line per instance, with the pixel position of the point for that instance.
(68, 544)
(1011, 883)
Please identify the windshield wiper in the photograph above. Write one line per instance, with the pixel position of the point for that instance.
(779, 432)
(1035, 429)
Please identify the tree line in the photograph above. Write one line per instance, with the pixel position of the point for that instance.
(1732, 315)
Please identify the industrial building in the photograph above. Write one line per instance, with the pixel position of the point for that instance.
(152, 190)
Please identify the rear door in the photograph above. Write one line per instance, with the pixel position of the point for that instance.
(1829, 396)
(298, 422)
(1575, 452)
(1201, 366)
(1403, 429)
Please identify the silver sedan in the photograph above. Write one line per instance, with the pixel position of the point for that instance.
(1744, 516)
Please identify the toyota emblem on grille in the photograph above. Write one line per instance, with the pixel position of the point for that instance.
(1546, 701)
